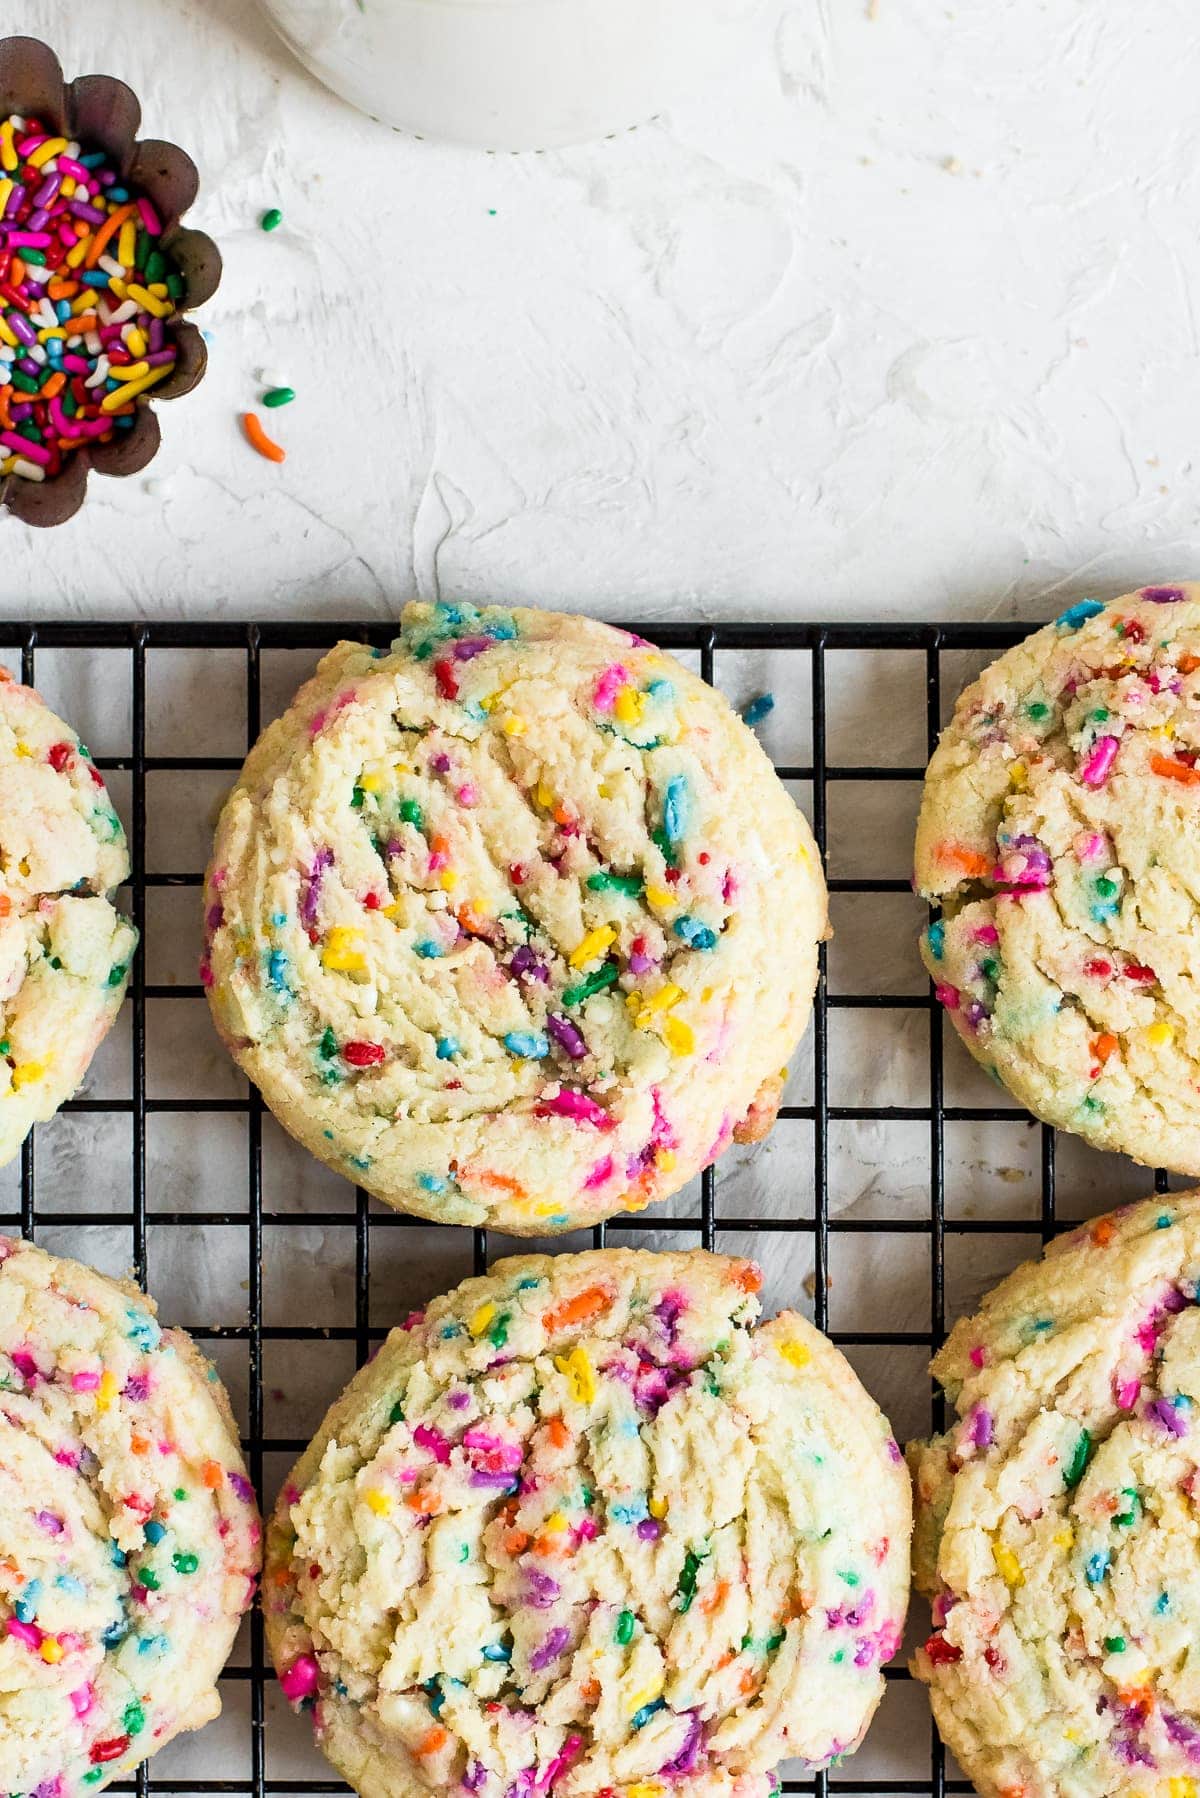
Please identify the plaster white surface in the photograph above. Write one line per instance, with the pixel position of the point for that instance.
(900, 321)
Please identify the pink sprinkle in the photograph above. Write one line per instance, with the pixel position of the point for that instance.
(977, 1355)
(29, 1633)
(85, 1381)
(83, 1700)
(413, 1321)
(642, 964)
(608, 686)
(301, 1679)
(468, 795)
(600, 1175)
(507, 1455)
(1095, 770)
(585, 1529)
(948, 996)
(575, 1105)
(986, 933)
(1090, 846)
(1127, 1393)
(432, 1440)
(149, 217)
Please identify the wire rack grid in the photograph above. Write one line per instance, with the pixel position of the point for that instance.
(805, 1230)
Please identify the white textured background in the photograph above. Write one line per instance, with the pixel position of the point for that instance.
(900, 322)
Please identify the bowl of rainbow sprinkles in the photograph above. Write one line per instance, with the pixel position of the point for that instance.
(96, 272)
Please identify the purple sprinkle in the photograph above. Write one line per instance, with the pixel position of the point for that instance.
(542, 1589)
(668, 1311)
(459, 1400)
(137, 1388)
(567, 1035)
(1163, 596)
(649, 1529)
(893, 1449)
(1169, 1417)
(241, 1486)
(482, 1477)
(469, 647)
(51, 1522)
(687, 1757)
(550, 1649)
(440, 763)
(981, 1428)
(475, 1777)
(311, 888)
(216, 916)
(1185, 1735)
(525, 962)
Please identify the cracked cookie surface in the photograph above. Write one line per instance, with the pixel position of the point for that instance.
(1060, 832)
(1058, 1529)
(64, 948)
(129, 1537)
(581, 1527)
(513, 923)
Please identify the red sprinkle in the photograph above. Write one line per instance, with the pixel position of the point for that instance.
(1135, 970)
(941, 1652)
(447, 681)
(111, 1750)
(364, 1055)
(58, 755)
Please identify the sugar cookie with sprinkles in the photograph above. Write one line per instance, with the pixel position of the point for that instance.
(581, 1528)
(129, 1537)
(1060, 833)
(65, 950)
(513, 923)
(1057, 1518)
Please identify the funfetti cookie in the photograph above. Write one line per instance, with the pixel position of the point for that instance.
(64, 948)
(513, 923)
(129, 1537)
(1060, 833)
(582, 1528)
(1056, 1519)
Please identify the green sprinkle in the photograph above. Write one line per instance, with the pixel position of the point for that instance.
(37, 257)
(605, 882)
(686, 1590)
(498, 1334)
(1100, 715)
(327, 1045)
(773, 1642)
(1082, 1454)
(148, 1578)
(411, 813)
(595, 983)
(1114, 1644)
(396, 1414)
(839, 1657)
(625, 1623)
(185, 1562)
(357, 797)
(92, 1775)
(5, 1047)
(116, 975)
(1129, 1515)
(134, 1720)
(1038, 710)
(279, 396)
(271, 219)
(1106, 887)
(464, 1552)
(180, 1493)
(851, 1579)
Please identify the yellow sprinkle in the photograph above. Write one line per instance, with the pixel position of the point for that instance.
(629, 705)
(488, 701)
(1159, 1035)
(578, 1370)
(647, 1695)
(161, 308)
(127, 244)
(76, 256)
(1181, 1787)
(27, 1073)
(482, 1319)
(132, 371)
(379, 1502)
(1018, 776)
(135, 339)
(593, 945)
(661, 897)
(52, 146)
(664, 1159)
(604, 790)
(6, 336)
(107, 1390)
(448, 880)
(1064, 1538)
(633, 1000)
(645, 1788)
(796, 1354)
(51, 1649)
(393, 910)
(8, 156)
(401, 768)
(6, 188)
(658, 1507)
(370, 783)
(665, 997)
(1070, 1735)
(342, 952)
(544, 796)
(680, 1037)
(23, 749)
(120, 395)
(514, 725)
(555, 1524)
(1007, 1565)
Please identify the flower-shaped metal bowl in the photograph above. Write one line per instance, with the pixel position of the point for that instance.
(103, 114)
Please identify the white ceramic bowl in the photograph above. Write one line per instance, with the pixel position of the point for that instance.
(514, 74)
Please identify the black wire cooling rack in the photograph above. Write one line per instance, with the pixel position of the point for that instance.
(929, 644)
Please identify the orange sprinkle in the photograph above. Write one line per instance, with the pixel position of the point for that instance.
(281, 1576)
(552, 1545)
(503, 1182)
(516, 1542)
(747, 1683)
(558, 1433)
(432, 1740)
(748, 1277)
(592, 1302)
(212, 1473)
(1170, 769)
(1188, 664)
(62, 290)
(1104, 1046)
(1103, 1231)
(715, 1596)
(967, 861)
(259, 440)
(54, 385)
(16, 270)
(139, 1444)
(112, 224)
(589, 1691)
(426, 1502)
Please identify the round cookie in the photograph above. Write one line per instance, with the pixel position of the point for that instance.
(64, 949)
(1060, 831)
(514, 923)
(1057, 1519)
(129, 1538)
(580, 1526)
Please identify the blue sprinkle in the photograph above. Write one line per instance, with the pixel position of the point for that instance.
(527, 1284)
(695, 934)
(528, 1045)
(1097, 1566)
(74, 1588)
(647, 1711)
(277, 963)
(1075, 616)
(502, 629)
(1162, 1604)
(155, 1645)
(361, 1162)
(658, 689)
(115, 1633)
(1163, 1222)
(449, 1331)
(155, 1531)
(448, 1048)
(935, 936)
(428, 951)
(117, 1556)
(497, 1651)
(279, 919)
(675, 808)
(475, 711)
(143, 1330)
(432, 1182)
(759, 708)
(630, 1513)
